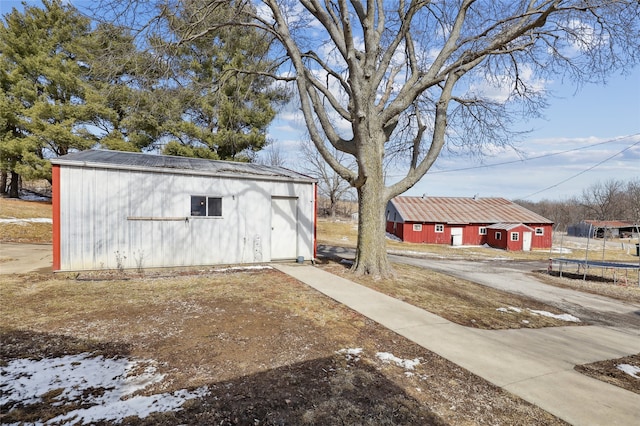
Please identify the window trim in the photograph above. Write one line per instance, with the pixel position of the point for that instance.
(539, 231)
(417, 227)
(515, 236)
(482, 230)
(498, 236)
(439, 228)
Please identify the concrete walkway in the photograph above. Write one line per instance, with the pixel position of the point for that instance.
(535, 364)
(19, 258)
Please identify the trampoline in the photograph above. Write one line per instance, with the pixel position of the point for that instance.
(586, 264)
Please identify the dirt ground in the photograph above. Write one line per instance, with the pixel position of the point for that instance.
(266, 346)
(608, 371)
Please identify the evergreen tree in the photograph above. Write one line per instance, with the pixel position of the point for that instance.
(126, 80)
(46, 52)
(225, 102)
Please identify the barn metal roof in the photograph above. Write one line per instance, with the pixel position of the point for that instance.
(507, 226)
(172, 164)
(459, 210)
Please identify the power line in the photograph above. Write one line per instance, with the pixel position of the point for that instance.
(538, 156)
(582, 172)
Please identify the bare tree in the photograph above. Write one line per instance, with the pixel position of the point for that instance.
(330, 185)
(604, 200)
(378, 78)
(271, 156)
(632, 201)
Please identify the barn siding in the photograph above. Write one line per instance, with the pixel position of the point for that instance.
(95, 232)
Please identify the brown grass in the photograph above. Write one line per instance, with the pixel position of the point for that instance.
(607, 371)
(345, 234)
(263, 343)
(25, 232)
(456, 299)
(625, 288)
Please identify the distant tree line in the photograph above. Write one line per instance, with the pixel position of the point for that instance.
(68, 83)
(609, 200)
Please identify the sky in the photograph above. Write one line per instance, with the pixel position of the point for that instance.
(597, 124)
(588, 136)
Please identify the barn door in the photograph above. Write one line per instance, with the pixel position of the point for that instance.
(284, 228)
(456, 236)
(526, 241)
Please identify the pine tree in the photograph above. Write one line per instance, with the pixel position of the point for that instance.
(46, 52)
(225, 102)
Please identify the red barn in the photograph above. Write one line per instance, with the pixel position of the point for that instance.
(458, 221)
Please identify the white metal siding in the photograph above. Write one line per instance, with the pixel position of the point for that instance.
(96, 203)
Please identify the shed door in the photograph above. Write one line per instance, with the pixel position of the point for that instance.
(526, 241)
(456, 236)
(284, 228)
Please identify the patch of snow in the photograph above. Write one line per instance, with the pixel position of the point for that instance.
(631, 370)
(393, 237)
(105, 387)
(408, 364)
(243, 268)
(27, 220)
(509, 309)
(31, 196)
(561, 250)
(563, 317)
(351, 353)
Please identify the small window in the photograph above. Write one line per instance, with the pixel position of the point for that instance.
(206, 206)
(482, 230)
(417, 227)
(515, 236)
(198, 206)
(439, 228)
(498, 235)
(539, 231)
(214, 206)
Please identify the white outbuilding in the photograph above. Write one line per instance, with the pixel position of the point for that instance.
(114, 210)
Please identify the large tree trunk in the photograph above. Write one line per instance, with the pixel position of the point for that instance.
(371, 252)
(14, 187)
(3, 182)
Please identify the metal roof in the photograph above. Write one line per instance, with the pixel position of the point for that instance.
(507, 226)
(609, 223)
(459, 210)
(184, 165)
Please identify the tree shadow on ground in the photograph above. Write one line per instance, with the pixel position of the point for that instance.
(333, 390)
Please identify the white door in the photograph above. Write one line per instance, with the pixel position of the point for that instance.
(284, 228)
(526, 241)
(456, 236)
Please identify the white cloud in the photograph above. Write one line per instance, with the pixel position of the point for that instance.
(499, 88)
(584, 37)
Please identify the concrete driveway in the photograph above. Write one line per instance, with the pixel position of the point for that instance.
(18, 258)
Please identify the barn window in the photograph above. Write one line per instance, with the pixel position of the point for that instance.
(206, 206)
(539, 231)
(439, 228)
(498, 235)
(482, 230)
(417, 227)
(515, 236)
